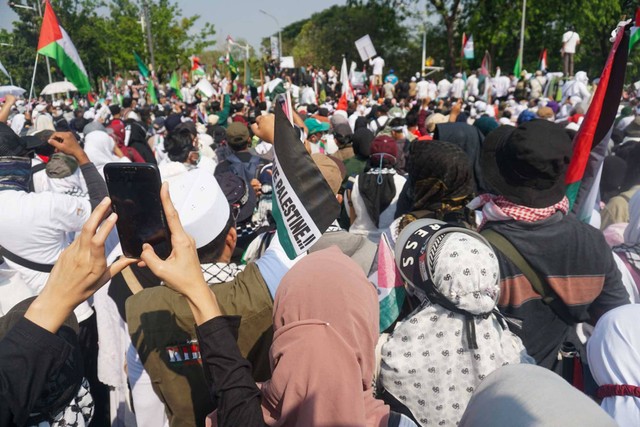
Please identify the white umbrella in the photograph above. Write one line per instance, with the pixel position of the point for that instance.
(11, 90)
(58, 87)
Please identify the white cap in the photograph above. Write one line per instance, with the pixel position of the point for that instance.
(201, 204)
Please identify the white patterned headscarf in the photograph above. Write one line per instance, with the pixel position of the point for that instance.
(429, 363)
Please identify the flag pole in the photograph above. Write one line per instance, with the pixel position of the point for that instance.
(424, 51)
(33, 79)
(521, 52)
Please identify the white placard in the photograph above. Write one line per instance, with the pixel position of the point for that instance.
(365, 48)
(287, 62)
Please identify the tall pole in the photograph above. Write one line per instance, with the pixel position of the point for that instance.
(424, 52)
(524, 12)
(33, 79)
(279, 30)
(46, 57)
(147, 21)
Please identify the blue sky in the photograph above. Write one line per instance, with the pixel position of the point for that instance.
(239, 18)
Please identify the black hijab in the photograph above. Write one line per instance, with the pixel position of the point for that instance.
(470, 139)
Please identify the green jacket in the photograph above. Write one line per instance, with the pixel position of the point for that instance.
(162, 329)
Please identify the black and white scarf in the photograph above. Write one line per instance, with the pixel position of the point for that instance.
(377, 189)
(220, 272)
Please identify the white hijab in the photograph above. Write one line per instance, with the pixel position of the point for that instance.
(613, 352)
(99, 148)
(632, 232)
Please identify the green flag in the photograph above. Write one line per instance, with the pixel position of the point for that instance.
(518, 67)
(151, 91)
(635, 37)
(233, 68)
(141, 66)
(175, 85)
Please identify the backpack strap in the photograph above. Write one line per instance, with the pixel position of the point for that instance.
(34, 170)
(131, 280)
(538, 283)
(42, 268)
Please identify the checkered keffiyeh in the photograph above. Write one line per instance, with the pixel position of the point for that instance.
(498, 208)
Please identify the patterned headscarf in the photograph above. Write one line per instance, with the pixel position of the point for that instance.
(428, 363)
(442, 181)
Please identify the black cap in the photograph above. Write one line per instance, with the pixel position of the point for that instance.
(239, 194)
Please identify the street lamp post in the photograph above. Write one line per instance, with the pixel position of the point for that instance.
(279, 30)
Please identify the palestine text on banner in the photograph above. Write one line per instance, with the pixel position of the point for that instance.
(304, 205)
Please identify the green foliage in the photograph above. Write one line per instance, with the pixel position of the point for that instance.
(101, 38)
(546, 21)
(322, 39)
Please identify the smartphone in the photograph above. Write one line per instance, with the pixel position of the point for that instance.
(134, 189)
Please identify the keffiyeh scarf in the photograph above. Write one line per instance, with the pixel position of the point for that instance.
(78, 412)
(220, 272)
(498, 208)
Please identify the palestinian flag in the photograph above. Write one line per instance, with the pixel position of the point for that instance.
(91, 99)
(141, 66)
(175, 85)
(196, 68)
(542, 66)
(467, 48)
(635, 33)
(464, 43)
(55, 43)
(485, 67)
(599, 118)
(388, 281)
(304, 205)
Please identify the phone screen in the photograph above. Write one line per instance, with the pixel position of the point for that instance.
(135, 196)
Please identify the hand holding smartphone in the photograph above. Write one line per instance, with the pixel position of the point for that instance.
(134, 189)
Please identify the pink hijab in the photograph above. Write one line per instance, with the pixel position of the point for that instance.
(325, 319)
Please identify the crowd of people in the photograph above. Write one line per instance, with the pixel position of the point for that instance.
(453, 188)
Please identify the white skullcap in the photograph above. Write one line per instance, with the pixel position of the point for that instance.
(201, 204)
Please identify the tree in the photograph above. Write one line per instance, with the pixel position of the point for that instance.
(546, 21)
(326, 36)
(450, 12)
(101, 40)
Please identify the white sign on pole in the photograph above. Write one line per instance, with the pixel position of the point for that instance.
(365, 48)
(275, 53)
(287, 62)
